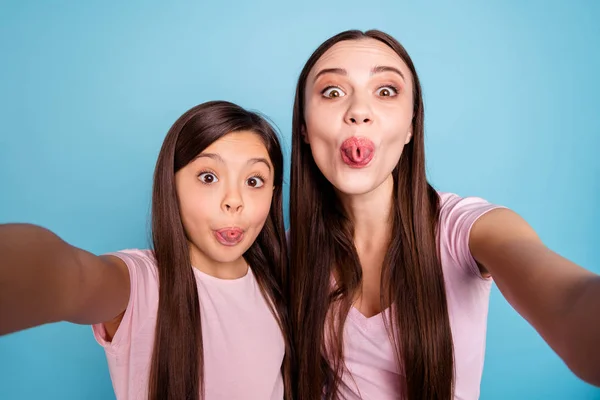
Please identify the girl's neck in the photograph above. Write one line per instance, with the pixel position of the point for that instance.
(221, 270)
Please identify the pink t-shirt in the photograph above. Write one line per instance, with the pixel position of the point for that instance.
(243, 345)
(368, 352)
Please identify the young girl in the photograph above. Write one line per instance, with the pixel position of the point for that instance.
(202, 315)
(391, 279)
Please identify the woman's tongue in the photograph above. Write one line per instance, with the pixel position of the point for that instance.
(357, 154)
(357, 151)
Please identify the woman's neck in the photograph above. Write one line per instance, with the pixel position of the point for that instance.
(370, 213)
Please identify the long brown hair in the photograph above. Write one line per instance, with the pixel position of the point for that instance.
(321, 239)
(177, 362)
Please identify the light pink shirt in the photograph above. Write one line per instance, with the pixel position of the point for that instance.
(368, 351)
(243, 345)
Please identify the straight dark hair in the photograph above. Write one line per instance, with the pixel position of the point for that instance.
(412, 281)
(177, 368)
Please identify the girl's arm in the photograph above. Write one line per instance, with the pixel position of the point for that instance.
(44, 279)
(560, 299)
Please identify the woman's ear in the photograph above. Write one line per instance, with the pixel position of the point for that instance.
(409, 136)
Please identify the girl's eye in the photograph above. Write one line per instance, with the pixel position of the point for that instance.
(255, 182)
(207, 178)
(332, 92)
(387, 91)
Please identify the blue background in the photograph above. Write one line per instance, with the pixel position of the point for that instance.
(88, 90)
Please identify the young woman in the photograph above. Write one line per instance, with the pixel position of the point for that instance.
(390, 279)
(202, 314)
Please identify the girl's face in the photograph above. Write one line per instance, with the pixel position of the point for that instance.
(358, 114)
(224, 197)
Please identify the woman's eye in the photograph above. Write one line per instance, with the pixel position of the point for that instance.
(333, 92)
(387, 91)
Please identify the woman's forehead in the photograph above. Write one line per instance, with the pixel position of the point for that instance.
(359, 55)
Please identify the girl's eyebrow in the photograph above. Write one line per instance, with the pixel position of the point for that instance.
(213, 156)
(260, 160)
(219, 159)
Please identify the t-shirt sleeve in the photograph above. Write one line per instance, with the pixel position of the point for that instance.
(143, 295)
(457, 216)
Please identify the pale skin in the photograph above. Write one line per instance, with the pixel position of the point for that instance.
(348, 93)
(230, 184)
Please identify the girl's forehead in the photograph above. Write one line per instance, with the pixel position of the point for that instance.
(238, 150)
(242, 142)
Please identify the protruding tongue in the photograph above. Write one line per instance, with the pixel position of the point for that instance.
(231, 235)
(357, 153)
(357, 149)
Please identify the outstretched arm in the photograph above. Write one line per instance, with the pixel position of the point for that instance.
(44, 279)
(560, 299)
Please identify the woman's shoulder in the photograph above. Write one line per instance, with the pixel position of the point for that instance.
(457, 216)
(454, 206)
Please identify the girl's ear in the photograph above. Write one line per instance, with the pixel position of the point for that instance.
(304, 134)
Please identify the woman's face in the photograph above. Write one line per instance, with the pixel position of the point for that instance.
(358, 114)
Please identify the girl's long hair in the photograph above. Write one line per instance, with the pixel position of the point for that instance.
(177, 368)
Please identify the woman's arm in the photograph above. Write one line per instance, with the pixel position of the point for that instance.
(44, 279)
(560, 299)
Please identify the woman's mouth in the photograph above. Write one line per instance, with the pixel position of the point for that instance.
(357, 152)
